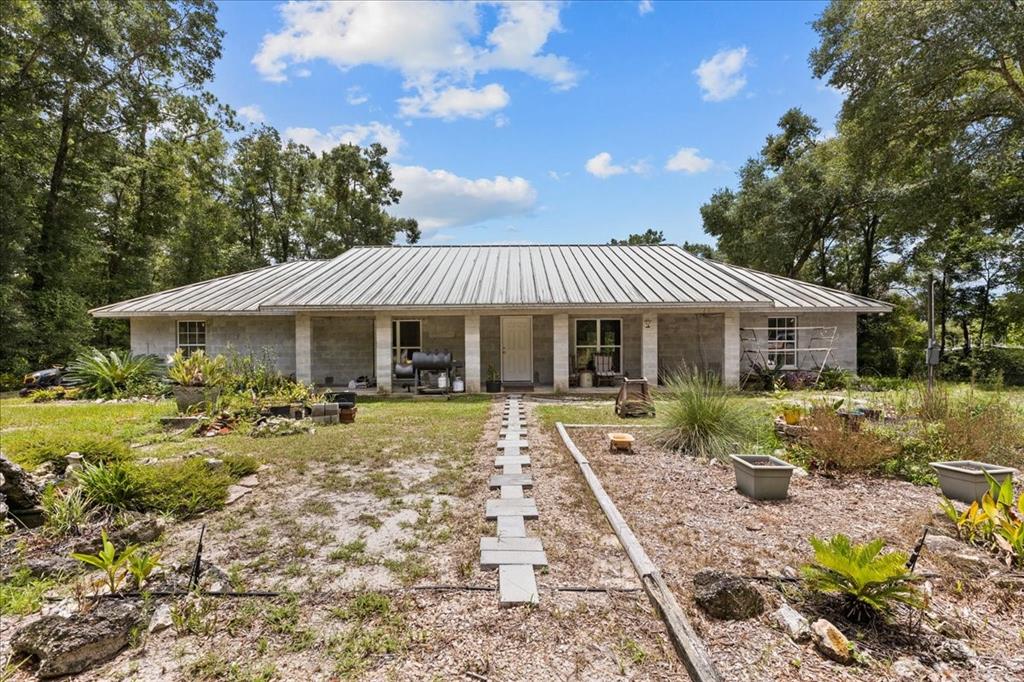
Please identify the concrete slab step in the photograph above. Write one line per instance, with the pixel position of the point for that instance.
(498, 480)
(506, 444)
(503, 544)
(511, 459)
(517, 585)
(511, 527)
(511, 492)
(525, 507)
(495, 558)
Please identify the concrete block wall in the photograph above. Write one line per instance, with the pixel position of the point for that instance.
(270, 336)
(446, 332)
(844, 348)
(543, 349)
(490, 344)
(690, 341)
(342, 349)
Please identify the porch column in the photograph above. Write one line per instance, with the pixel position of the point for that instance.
(303, 348)
(382, 352)
(560, 361)
(649, 348)
(472, 338)
(731, 349)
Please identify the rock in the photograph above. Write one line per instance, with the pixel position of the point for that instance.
(18, 486)
(161, 619)
(909, 668)
(235, 493)
(830, 642)
(214, 464)
(208, 451)
(726, 596)
(142, 530)
(953, 650)
(250, 481)
(66, 645)
(65, 607)
(962, 557)
(52, 566)
(792, 623)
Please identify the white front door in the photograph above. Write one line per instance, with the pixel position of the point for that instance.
(517, 348)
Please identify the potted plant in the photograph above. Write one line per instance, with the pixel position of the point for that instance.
(493, 382)
(762, 477)
(966, 480)
(792, 413)
(196, 378)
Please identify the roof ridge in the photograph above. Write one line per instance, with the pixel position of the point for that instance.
(498, 246)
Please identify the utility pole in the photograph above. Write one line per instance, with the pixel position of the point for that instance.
(932, 353)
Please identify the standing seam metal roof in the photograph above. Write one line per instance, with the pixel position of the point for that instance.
(493, 276)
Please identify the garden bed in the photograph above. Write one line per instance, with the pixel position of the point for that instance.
(689, 517)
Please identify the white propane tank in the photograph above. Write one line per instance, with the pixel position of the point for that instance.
(458, 386)
(442, 381)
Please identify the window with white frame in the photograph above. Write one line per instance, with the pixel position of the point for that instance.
(782, 348)
(191, 336)
(598, 337)
(405, 340)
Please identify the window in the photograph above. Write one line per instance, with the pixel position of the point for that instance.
(782, 342)
(191, 336)
(405, 339)
(598, 337)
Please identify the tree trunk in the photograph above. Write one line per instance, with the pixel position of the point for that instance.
(868, 256)
(49, 224)
(966, 329)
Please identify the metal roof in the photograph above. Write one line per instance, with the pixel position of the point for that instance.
(381, 277)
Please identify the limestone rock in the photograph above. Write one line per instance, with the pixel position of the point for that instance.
(142, 530)
(909, 668)
(18, 486)
(52, 566)
(66, 645)
(969, 560)
(726, 596)
(830, 642)
(161, 619)
(792, 623)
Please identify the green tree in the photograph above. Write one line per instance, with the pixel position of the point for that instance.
(650, 236)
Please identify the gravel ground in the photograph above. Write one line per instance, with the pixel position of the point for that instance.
(688, 516)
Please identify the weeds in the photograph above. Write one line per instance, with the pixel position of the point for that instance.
(22, 594)
(65, 510)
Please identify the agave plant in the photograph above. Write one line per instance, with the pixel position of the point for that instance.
(871, 583)
(110, 374)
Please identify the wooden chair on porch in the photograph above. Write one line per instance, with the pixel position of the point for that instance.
(604, 370)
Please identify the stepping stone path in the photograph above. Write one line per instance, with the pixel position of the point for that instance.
(512, 552)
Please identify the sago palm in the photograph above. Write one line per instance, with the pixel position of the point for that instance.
(107, 374)
(871, 583)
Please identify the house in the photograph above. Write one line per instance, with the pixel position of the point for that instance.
(538, 315)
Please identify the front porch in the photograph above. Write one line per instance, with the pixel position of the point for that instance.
(542, 351)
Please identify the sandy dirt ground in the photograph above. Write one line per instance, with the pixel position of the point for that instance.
(688, 516)
(361, 554)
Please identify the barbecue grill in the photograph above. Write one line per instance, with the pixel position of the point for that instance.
(429, 371)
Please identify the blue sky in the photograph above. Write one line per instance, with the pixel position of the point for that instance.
(545, 123)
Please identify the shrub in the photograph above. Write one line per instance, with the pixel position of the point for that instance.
(240, 465)
(65, 510)
(837, 444)
(114, 486)
(703, 418)
(870, 583)
(112, 375)
(256, 376)
(987, 428)
(198, 369)
(46, 395)
(50, 446)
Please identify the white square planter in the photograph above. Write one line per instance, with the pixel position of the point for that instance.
(965, 480)
(762, 477)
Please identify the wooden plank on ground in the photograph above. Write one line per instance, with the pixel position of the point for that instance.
(511, 527)
(517, 585)
(494, 558)
(498, 480)
(525, 507)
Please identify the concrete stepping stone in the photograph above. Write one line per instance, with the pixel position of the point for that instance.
(506, 444)
(495, 558)
(500, 544)
(511, 527)
(511, 492)
(511, 469)
(511, 459)
(525, 507)
(517, 585)
(498, 480)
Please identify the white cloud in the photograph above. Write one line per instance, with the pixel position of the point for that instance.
(362, 134)
(501, 120)
(688, 160)
(645, 7)
(356, 96)
(555, 175)
(440, 199)
(252, 113)
(602, 166)
(438, 47)
(721, 77)
(452, 102)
